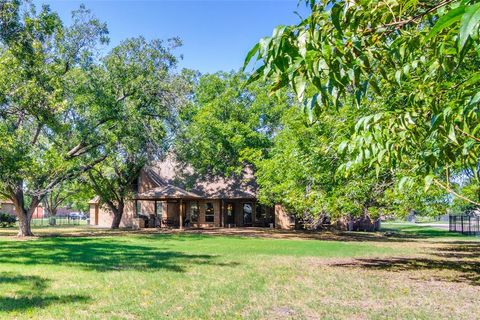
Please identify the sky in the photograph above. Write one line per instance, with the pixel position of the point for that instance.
(216, 35)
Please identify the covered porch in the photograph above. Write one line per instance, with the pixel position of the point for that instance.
(168, 212)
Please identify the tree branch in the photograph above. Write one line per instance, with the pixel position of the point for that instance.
(450, 190)
(69, 175)
(467, 134)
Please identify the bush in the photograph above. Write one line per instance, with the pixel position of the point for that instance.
(7, 220)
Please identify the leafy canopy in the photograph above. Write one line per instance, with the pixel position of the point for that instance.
(413, 64)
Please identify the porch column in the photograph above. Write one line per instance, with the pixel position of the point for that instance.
(180, 209)
(222, 213)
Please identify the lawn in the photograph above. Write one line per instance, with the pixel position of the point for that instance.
(82, 273)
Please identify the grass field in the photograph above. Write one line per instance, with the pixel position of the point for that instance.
(82, 273)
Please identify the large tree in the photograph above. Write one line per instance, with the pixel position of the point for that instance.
(412, 67)
(301, 172)
(230, 124)
(227, 124)
(295, 156)
(45, 138)
(136, 81)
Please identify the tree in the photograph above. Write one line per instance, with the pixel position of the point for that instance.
(74, 194)
(227, 125)
(45, 138)
(413, 64)
(301, 172)
(295, 157)
(136, 82)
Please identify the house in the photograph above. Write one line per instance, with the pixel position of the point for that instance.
(7, 206)
(171, 195)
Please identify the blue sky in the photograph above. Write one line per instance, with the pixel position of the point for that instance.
(216, 35)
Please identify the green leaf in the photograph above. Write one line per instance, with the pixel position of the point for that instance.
(381, 154)
(278, 31)
(472, 80)
(398, 76)
(451, 133)
(445, 21)
(402, 182)
(375, 86)
(250, 55)
(475, 99)
(299, 85)
(469, 23)
(343, 146)
(336, 9)
(428, 181)
(256, 75)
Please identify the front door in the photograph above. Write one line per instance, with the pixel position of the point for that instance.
(230, 213)
(247, 214)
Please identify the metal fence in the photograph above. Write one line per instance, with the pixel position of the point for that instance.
(465, 224)
(58, 221)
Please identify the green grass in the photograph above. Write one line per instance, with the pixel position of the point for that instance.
(412, 230)
(123, 275)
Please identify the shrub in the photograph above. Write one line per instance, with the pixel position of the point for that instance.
(7, 220)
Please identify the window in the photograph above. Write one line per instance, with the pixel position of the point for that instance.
(159, 209)
(209, 212)
(247, 213)
(194, 211)
(138, 208)
(260, 212)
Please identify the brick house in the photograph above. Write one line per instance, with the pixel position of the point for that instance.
(169, 195)
(7, 206)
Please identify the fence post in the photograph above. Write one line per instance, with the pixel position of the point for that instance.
(469, 225)
(461, 220)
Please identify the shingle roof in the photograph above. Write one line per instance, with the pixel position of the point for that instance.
(94, 200)
(168, 191)
(179, 181)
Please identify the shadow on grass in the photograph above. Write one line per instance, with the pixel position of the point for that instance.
(389, 233)
(101, 254)
(420, 232)
(403, 234)
(462, 258)
(28, 292)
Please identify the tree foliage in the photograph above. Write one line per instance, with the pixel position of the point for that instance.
(296, 159)
(413, 64)
(135, 81)
(227, 125)
(301, 172)
(43, 140)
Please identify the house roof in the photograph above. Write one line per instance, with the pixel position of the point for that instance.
(94, 200)
(169, 191)
(174, 180)
(8, 201)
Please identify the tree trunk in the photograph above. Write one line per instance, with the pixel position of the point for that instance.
(24, 215)
(24, 225)
(52, 220)
(24, 219)
(117, 215)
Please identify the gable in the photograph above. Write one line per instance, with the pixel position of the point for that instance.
(168, 178)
